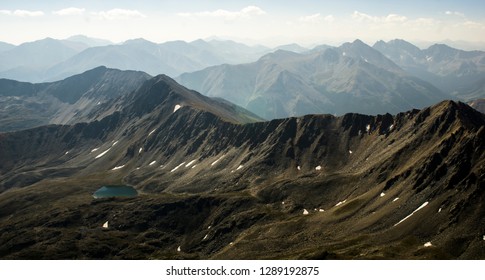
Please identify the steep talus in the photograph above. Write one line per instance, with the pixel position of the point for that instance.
(213, 185)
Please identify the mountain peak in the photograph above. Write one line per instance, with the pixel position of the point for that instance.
(92, 42)
(359, 42)
(442, 49)
(138, 41)
(162, 94)
(356, 45)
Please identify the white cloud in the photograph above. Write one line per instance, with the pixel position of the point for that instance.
(395, 18)
(25, 13)
(376, 19)
(119, 14)
(329, 18)
(72, 11)
(22, 13)
(450, 13)
(253, 10)
(246, 12)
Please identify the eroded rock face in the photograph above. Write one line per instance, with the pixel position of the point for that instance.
(433, 156)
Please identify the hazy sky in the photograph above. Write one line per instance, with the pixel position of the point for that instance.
(267, 22)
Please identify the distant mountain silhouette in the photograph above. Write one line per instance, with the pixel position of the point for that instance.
(456, 72)
(351, 78)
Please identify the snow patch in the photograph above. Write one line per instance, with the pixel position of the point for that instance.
(103, 153)
(350, 151)
(419, 208)
(298, 167)
(382, 194)
(140, 150)
(67, 153)
(367, 128)
(190, 163)
(94, 150)
(205, 237)
(105, 225)
(484, 237)
(194, 166)
(318, 168)
(99, 102)
(177, 167)
(239, 167)
(321, 210)
(283, 203)
(153, 162)
(305, 212)
(209, 227)
(215, 162)
(151, 132)
(176, 108)
(344, 53)
(428, 244)
(118, 167)
(439, 210)
(340, 203)
(179, 249)
(395, 199)
(116, 142)
(391, 127)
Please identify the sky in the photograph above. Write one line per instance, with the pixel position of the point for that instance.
(267, 22)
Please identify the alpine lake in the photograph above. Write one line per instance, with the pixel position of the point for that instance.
(115, 191)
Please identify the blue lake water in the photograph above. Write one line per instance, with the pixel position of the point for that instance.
(115, 191)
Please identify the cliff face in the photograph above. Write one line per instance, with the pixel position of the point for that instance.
(219, 187)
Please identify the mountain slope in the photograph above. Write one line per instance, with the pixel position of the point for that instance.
(457, 72)
(169, 58)
(51, 60)
(214, 187)
(351, 78)
(75, 99)
(27, 61)
(91, 42)
(6, 46)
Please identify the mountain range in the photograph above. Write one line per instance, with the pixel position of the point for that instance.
(457, 72)
(51, 60)
(214, 182)
(351, 78)
(362, 154)
(286, 81)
